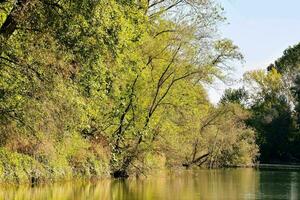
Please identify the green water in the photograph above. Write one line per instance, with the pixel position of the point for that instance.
(201, 184)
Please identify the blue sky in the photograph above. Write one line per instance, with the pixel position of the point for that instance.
(262, 29)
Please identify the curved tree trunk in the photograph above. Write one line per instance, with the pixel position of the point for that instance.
(198, 161)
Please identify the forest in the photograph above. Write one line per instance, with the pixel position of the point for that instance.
(93, 88)
(273, 97)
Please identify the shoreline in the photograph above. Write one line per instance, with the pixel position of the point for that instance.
(46, 181)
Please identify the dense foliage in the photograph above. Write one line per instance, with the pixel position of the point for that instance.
(272, 98)
(90, 87)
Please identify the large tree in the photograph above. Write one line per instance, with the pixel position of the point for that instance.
(106, 76)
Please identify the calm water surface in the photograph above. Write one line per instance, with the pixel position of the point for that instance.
(201, 184)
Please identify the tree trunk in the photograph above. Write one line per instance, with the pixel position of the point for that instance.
(11, 22)
(195, 161)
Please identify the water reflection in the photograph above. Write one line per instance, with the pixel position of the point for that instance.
(201, 184)
(279, 184)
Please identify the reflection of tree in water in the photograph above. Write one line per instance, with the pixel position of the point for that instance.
(119, 189)
(199, 184)
(233, 184)
(281, 184)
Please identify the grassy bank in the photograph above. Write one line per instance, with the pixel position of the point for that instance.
(20, 168)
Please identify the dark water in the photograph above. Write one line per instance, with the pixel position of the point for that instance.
(201, 184)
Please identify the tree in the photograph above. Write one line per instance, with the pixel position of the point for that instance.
(104, 75)
(237, 96)
(219, 139)
(271, 114)
(175, 60)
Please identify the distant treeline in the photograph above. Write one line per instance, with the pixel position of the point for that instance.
(115, 87)
(272, 96)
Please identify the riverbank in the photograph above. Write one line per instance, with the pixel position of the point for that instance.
(18, 168)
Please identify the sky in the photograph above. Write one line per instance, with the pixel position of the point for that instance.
(262, 29)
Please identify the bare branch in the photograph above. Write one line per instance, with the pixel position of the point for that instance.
(161, 81)
(164, 31)
(165, 9)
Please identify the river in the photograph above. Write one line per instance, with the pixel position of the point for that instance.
(182, 185)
